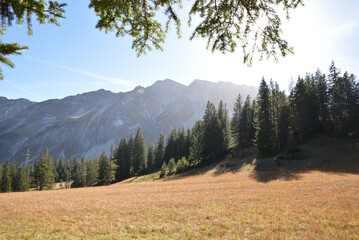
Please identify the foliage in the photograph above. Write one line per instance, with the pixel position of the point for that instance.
(164, 170)
(44, 176)
(256, 25)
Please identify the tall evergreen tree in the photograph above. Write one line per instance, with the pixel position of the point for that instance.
(103, 166)
(160, 152)
(263, 122)
(171, 149)
(150, 157)
(224, 135)
(246, 124)
(123, 160)
(196, 149)
(211, 134)
(6, 180)
(44, 176)
(92, 172)
(236, 123)
(323, 101)
(139, 152)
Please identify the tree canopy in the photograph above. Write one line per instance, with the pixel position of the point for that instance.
(253, 25)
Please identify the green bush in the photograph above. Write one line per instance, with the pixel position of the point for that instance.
(182, 165)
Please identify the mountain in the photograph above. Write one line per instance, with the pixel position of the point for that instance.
(9, 107)
(85, 124)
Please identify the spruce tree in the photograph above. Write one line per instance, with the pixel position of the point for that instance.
(103, 167)
(224, 134)
(212, 135)
(263, 120)
(197, 143)
(6, 180)
(139, 152)
(236, 123)
(159, 152)
(150, 157)
(92, 172)
(123, 160)
(44, 176)
(246, 123)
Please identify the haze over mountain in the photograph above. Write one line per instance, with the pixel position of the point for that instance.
(85, 124)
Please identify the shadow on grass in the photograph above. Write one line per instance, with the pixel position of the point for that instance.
(324, 154)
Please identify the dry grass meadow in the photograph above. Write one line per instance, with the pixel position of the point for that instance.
(212, 204)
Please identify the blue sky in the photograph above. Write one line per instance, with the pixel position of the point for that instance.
(77, 58)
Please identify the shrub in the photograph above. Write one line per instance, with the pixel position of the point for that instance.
(182, 165)
(171, 166)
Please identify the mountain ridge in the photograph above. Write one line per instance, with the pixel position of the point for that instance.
(85, 124)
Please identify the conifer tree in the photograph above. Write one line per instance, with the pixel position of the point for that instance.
(92, 172)
(23, 178)
(160, 152)
(171, 149)
(123, 160)
(109, 172)
(323, 101)
(224, 134)
(6, 181)
(236, 123)
(150, 157)
(44, 176)
(197, 144)
(212, 134)
(103, 167)
(139, 152)
(263, 122)
(246, 123)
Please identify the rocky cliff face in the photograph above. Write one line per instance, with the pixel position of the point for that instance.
(9, 108)
(85, 124)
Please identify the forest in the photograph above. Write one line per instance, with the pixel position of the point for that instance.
(274, 122)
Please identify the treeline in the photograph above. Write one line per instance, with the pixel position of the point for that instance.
(273, 122)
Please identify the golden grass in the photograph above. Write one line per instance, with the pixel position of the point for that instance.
(207, 206)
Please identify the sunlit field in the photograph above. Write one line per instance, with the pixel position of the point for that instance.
(211, 205)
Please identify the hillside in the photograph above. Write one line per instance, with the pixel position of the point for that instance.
(86, 124)
(224, 201)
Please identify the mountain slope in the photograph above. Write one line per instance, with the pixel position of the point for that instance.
(85, 124)
(9, 107)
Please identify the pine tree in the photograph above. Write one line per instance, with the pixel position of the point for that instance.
(139, 152)
(212, 135)
(299, 111)
(236, 123)
(123, 160)
(61, 170)
(131, 144)
(83, 172)
(109, 172)
(92, 172)
(337, 102)
(171, 166)
(246, 124)
(44, 176)
(150, 157)
(224, 134)
(6, 180)
(23, 178)
(103, 166)
(196, 148)
(160, 152)
(263, 122)
(171, 149)
(323, 101)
